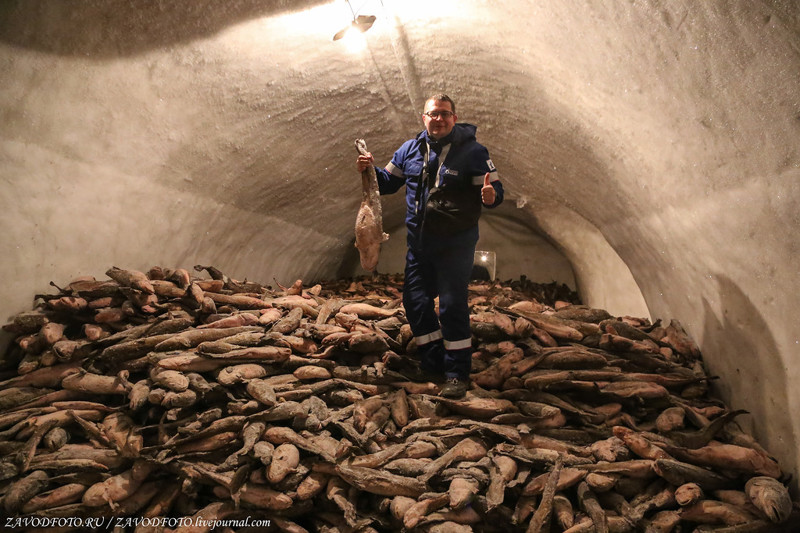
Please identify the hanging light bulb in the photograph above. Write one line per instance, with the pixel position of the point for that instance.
(361, 23)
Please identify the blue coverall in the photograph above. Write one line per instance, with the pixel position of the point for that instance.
(438, 262)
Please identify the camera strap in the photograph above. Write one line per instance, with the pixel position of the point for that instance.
(435, 180)
(427, 179)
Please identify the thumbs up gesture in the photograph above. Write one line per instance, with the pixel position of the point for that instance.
(487, 191)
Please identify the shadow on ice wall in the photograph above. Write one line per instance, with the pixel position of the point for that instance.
(752, 366)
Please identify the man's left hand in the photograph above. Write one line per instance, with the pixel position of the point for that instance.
(487, 191)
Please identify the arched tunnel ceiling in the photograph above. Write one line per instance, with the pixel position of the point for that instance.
(654, 143)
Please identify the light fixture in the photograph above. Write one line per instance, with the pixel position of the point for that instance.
(484, 265)
(360, 22)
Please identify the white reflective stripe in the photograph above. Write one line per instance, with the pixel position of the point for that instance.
(458, 345)
(430, 337)
(442, 157)
(478, 180)
(394, 171)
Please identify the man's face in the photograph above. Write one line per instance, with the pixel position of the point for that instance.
(438, 118)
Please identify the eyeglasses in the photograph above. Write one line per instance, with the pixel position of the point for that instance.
(439, 114)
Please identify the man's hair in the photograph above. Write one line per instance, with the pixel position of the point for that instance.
(441, 97)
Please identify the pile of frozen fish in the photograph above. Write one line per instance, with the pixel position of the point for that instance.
(182, 394)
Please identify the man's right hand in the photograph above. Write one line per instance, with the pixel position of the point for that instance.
(364, 162)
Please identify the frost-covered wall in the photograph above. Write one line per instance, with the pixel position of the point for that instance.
(651, 148)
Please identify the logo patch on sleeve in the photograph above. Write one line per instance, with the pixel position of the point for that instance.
(490, 165)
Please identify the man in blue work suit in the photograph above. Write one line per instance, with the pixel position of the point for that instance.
(448, 177)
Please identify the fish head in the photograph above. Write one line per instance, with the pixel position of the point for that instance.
(369, 256)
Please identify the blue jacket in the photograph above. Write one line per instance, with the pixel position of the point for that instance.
(462, 173)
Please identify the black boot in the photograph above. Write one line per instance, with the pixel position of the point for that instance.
(455, 388)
